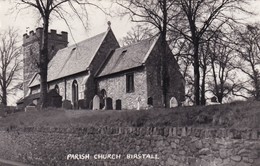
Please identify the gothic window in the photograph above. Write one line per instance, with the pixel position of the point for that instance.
(75, 94)
(129, 83)
(118, 104)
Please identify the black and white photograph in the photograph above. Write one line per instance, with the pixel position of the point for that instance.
(129, 83)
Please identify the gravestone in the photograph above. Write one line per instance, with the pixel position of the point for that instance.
(150, 101)
(90, 106)
(109, 103)
(66, 104)
(54, 99)
(173, 102)
(30, 108)
(118, 104)
(138, 103)
(82, 104)
(96, 102)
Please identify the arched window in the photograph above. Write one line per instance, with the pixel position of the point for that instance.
(75, 94)
(57, 89)
(118, 104)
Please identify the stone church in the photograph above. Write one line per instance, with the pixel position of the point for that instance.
(120, 77)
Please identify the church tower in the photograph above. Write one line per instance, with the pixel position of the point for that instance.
(31, 52)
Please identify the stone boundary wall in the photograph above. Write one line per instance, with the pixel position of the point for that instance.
(248, 134)
(174, 146)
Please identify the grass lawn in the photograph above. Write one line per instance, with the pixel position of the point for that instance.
(234, 115)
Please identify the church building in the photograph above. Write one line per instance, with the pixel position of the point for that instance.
(120, 77)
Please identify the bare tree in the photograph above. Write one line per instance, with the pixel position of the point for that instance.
(223, 75)
(48, 9)
(10, 63)
(196, 18)
(205, 68)
(137, 33)
(248, 49)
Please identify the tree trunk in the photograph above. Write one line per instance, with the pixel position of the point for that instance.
(196, 73)
(164, 72)
(164, 56)
(203, 99)
(4, 97)
(44, 64)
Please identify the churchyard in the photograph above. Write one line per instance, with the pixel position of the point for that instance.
(234, 115)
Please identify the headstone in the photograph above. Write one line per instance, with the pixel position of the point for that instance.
(118, 104)
(109, 103)
(96, 102)
(82, 104)
(150, 101)
(66, 104)
(35, 101)
(30, 108)
(90, 106)
(138, 103)
(173, 102)
(54, 99)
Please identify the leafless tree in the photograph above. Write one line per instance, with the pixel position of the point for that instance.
(248, 49)
(205, 69)
(195, 18)
(48, 9)
(10, 63)
(223, 75)
(137, 33)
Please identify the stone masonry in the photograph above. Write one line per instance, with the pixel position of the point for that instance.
(174, 146)
(116, 89)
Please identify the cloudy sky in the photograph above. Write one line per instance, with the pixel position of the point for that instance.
(26, 20)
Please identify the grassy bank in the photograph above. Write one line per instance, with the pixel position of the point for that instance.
(234, 115)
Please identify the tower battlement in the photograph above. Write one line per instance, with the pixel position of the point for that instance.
(37, 35)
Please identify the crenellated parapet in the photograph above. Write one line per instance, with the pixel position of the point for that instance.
(37, 35)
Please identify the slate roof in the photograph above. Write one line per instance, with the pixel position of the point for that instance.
(73, 59)
(128, 57)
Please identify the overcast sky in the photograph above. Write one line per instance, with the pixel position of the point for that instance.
(97, 20)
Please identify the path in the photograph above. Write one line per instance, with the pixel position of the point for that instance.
(4, 162)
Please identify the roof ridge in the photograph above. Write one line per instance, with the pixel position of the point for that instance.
(82, 41)
(150, 38)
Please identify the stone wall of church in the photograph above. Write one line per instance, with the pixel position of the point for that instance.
(115, 88)
(176, 84)
(65, 86)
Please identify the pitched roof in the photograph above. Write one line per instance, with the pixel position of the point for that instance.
(128, 57)
(73, 59)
